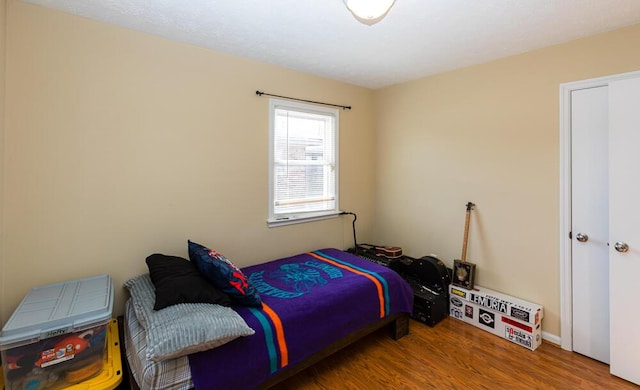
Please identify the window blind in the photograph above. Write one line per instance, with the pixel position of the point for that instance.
(304, 164)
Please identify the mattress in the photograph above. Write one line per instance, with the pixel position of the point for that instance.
(309, 301)
(172, 374)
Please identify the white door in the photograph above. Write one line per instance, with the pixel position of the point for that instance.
(624, 227)
(590, 222)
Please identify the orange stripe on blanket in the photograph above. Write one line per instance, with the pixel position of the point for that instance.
(375, 281)
(277, 324)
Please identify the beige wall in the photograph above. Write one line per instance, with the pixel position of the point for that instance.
(121, 144)
(3, 29)
(487, 134)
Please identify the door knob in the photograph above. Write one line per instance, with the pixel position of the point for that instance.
(621, 247)
(582, 237)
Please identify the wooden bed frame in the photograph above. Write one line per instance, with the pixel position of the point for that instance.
(398, 323)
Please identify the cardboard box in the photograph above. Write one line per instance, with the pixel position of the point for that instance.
(57, 335)
(478, 308)
(519, 309)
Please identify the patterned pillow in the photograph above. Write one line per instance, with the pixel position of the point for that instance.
(184, 328)
(177, 280)
(224, 275)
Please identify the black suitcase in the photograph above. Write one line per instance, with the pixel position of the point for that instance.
(429, 307)
(429, 278)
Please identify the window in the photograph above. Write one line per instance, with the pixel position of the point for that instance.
(303, 162)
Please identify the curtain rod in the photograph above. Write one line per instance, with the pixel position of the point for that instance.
(259, 93)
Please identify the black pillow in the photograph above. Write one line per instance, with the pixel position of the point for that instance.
(177, 280)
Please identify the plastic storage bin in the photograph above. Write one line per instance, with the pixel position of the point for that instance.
(111, 374)
(57, 335)
(110, 377)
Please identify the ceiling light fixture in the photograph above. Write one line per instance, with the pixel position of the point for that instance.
(369, 11)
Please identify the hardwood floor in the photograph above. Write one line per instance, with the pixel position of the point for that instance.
(453, 355)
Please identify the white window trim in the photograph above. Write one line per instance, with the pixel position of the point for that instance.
(310, 217)
(293, 221)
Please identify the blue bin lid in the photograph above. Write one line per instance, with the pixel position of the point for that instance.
(59, 308)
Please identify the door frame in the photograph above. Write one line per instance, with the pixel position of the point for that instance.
(566, 295)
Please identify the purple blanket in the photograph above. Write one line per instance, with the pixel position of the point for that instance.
(310, 300)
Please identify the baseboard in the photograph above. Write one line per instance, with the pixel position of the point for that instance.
(552, 338)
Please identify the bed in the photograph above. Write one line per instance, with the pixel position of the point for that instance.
(312, 304)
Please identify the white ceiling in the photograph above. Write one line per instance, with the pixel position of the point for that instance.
(416, 39)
